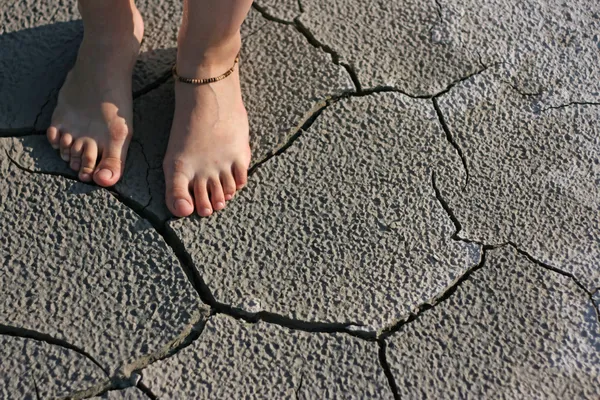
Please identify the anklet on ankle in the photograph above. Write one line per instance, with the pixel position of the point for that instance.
(197, 81)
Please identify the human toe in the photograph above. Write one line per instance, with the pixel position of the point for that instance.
(75, 155)
(217, 197)
(203, 205)
(178, 198)
(228, 184)
(240, 173)
(88, 160)
(109, 168)
(66, 140)
(53, 136)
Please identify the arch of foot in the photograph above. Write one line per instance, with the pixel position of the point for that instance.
(344, 226)
(80, 267)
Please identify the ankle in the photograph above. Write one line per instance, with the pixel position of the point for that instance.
(111, 21)
(199, 59)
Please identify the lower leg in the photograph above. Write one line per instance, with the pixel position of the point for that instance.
(209, 37)
(93, 116)
(208, 153)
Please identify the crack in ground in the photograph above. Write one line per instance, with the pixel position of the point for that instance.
(422, 309)
(304, 31)
(572, 103)
(458, 81)
(35, 386)
(450, 86)
(531, 258)
(146, 390)
(19, 132)
(194, 277)
(449, 290)
(71, 177)
(205, 294)
(438, 299)
(294, 133)
(299, 388)
(451, 140)
(440, 21)
(131, 374)
(386, 368)
(320, 106)
(335, 57)
(49, 98)
(439, 10)
(148, 169)
(265, 14)
(254, 32)
(522, 93)
(451, 215)
(596, 305)
(162, 78)
(14, 331)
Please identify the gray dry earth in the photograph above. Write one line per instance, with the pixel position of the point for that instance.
(422, 218)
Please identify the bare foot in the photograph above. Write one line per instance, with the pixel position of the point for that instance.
(93, 117)
(208, 153)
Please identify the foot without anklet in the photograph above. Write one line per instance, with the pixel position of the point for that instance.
(197, 81)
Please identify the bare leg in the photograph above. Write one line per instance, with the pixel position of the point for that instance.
(93, 117)
(208, 154)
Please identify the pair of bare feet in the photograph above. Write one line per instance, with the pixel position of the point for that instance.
(208, 153)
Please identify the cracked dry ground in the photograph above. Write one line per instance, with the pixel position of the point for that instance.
(422, 218)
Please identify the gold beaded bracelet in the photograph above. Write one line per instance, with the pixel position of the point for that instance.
(196, 81)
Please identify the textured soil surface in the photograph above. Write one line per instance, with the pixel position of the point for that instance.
(422, 218)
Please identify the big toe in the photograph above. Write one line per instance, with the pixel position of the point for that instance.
(182, 207)
(108, 171)
(178, 198)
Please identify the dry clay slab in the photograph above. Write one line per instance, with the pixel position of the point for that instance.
(81, 267)
(344, 226)
(512, 330)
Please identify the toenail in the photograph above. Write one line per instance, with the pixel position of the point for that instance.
(207, 211)
(220, 205)
(228, 196)
(84, 177)
(180, 204)
(104, 174)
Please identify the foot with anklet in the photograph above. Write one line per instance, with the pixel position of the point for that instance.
(208, 153)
